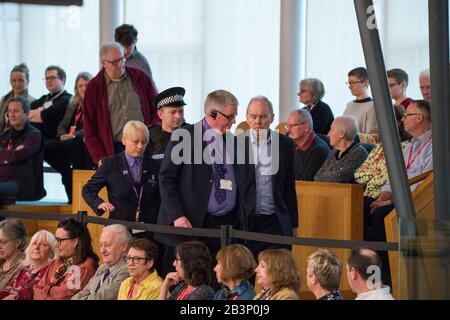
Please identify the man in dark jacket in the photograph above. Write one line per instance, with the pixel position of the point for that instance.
(117, 94)
(21, 153)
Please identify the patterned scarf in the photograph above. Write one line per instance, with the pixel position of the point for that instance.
(61, 271)
(7, 276)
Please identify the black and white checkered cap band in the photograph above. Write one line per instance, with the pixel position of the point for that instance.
(169, 101)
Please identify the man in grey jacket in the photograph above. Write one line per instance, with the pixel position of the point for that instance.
(105, 284)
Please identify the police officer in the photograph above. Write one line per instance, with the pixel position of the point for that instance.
(170, 106)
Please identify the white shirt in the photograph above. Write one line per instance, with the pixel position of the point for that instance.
(377, 294)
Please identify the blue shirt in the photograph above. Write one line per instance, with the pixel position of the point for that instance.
(262, 156)
(220, 157)
(244, 291)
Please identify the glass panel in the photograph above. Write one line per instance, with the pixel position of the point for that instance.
(423, 263)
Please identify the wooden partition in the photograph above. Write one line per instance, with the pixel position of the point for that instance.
(423, 197)
(80, 177)
(328, 211)
(34, 226)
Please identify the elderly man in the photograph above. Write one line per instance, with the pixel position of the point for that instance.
(311, 151)
(105, 283)
(342, 162)
(364, 277)
(21, 153)
(200, 187)
(170, 105)
(117, 94)
(271, 205)
(418, 155)
(127, 36)
(425, 84)
(48, 111)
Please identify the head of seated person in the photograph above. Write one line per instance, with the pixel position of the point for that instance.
(323, 275)
(235, 265)
(278, 275)
(12, 244)
(18, 110)
(141, 259)
(114, 243)
(40, 251)
(343, 132)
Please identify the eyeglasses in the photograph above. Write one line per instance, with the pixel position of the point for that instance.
(117, 61)
(4, 242)
(59, 240)
(352, 83)
(52, 78)
(288, 126)
(228, 116)
(407, 114)
(135, 259)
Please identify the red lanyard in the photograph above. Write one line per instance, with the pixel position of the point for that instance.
(130, 293)
(10, 145)
(77, 116)
(186, 292)
(411, 161)
(139, 196)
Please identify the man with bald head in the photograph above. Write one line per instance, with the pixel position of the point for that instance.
(116, 95)
(342, 162)
(271, 205)
(364, 276)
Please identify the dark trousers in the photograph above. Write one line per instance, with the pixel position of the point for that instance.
(63, 156)
(9, 188)
(376, 222)
(265, 224)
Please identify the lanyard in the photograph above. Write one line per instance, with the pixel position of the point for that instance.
(411, 161)
(130, 293)
(186, 292)
(77, 116)
(139, 197)
(10, 145)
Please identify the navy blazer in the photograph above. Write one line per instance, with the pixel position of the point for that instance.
(186, 187)
(115, 175)
(283, 185)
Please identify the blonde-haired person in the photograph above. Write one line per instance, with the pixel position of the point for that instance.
(40, 252)
(278, 275)
(144, 282)
(323, 275)
(131, 180)
(235, 265)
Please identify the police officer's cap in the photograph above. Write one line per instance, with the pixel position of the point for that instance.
(172, 97)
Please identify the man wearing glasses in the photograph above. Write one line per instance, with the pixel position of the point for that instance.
(310, 150)
(418, 155)
(48, 111)
(201, 190)
(116, 95)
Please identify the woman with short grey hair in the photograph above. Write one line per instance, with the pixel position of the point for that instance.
(311, 92)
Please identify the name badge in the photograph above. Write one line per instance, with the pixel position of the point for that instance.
(47, 104)
(226, 185)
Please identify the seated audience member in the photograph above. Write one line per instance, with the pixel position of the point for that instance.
(131, 181)
(127, 36)
(15, 281)
(425, 84)
(105, 283)
(311, 92)
(323, 275)
(418, 156)
(21, 153)
(74, 265)
(192, 277)
(362, 108)
(68, 151)
(235, 265)
(398, 82)
(362, 265)
(144, 282)
(19, 79)
(278, 275)
(48, 111)
(311, 151)
(342, 162)
(373, 174)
